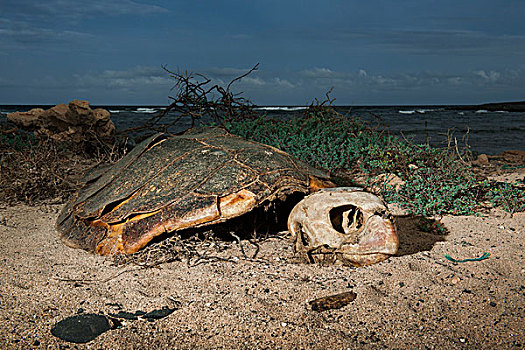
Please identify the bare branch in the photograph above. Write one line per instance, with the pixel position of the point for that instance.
(242, 76)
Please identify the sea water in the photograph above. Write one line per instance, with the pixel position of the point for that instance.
(483, 131)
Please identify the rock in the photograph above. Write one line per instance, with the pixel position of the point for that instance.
(482, 159)
(81, 328)
(455, 280)
(159, 313)
(75, 122)
(336, 301)
(514, 156)
(150, 316)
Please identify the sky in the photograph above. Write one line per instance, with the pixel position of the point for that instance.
(373, 52)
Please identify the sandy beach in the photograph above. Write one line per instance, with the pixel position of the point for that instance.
(416, 299)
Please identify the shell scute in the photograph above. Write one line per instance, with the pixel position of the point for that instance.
(138, 173)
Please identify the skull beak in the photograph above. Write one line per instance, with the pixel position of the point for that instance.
(376, 242)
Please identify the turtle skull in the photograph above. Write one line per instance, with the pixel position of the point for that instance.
(343, 223)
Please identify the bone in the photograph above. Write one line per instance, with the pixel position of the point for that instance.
(345, 224)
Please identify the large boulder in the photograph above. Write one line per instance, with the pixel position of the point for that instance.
(75, 122)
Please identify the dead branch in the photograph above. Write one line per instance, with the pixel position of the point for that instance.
(197, 100)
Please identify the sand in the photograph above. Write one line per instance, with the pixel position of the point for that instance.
(416, 299)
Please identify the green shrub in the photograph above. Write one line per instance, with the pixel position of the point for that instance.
(436, 181)
(510, 197)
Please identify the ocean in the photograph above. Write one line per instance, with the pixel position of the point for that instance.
(490, 132)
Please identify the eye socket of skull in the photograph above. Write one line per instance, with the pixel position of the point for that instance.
(346, 219)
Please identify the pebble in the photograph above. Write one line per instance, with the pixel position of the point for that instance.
(81, 328)
(335, 301)
(455, 280)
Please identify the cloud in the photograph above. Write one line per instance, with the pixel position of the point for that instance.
(367, 86)
(136, 78)
(25, 22)
(318, 73)
(51, 10)
(141, 84)
(247, 81)
(429, 42)
(363, 77)
(21, 33)
(488, 76)
(284, 83)
(452, 41)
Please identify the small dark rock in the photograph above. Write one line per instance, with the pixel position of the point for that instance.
(493, 304)
(336, 301)
(115, 305)
(36, 343)
(125, 315)
(150, 316)
(81, 328)
(156, 314)
(401, 284)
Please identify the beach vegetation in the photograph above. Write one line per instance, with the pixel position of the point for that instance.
(431, 181)
(35, 170)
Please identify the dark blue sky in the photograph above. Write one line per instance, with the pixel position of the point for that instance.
(372, 52)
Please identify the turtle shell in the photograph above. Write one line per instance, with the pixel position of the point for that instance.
(170, 183)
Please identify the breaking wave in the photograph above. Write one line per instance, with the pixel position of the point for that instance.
(420, 111)
(270, 108)
(145, 110)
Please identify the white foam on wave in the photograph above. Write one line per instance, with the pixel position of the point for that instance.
(482, 111)
(145, 110)
(114, 111)
(420, 111)
(423, 111)
(269, 108)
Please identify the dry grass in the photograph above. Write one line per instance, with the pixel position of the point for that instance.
(34, 171)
